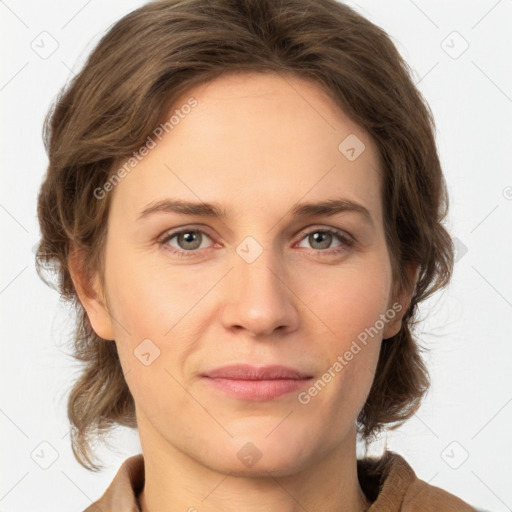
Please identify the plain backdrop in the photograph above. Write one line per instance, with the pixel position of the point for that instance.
(460, 440)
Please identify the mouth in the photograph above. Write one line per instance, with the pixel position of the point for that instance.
(259, 383)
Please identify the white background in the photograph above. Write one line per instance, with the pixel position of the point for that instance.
(468, 411)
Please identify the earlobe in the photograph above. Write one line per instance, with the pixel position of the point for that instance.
(401, 302)
(393, 326)
(91, 296)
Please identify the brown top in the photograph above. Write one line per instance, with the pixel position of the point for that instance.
(389, 483)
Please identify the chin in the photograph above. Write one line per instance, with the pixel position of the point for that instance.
(260, 455)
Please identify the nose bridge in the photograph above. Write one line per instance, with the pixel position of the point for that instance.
(260, 273)
(260, 300)
(258, 268)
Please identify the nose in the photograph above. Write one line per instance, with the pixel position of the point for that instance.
(258, 298)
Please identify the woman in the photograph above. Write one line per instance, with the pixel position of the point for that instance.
(196, 161)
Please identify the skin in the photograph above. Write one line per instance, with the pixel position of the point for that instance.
(256, 144)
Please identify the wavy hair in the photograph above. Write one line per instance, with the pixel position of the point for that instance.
(125, 89)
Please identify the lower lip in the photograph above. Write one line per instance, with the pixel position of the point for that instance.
(257, 389)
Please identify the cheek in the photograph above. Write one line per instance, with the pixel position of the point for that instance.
(153, 334)
(148, 300)
(350, 299)
(349, 304)
(156, 321)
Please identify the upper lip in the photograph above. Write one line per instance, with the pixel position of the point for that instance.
(251, 372)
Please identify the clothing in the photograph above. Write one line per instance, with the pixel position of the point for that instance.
(389, 483)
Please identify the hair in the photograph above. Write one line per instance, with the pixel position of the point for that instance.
(125, 89)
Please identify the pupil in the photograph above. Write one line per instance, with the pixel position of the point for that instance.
(190, 238)
(320, 237)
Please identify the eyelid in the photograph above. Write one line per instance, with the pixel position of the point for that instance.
(329, 229)
(171, 233)
(346, 238)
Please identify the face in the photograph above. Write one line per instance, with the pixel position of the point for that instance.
(268, 282)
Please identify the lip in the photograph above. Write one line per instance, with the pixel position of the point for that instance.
(249, 382)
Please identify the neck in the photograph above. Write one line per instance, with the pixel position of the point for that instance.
(174, 481)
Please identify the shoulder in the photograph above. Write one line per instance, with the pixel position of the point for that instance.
(392, 485)
(122, 492)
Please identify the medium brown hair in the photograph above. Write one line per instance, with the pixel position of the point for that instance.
(126, 88)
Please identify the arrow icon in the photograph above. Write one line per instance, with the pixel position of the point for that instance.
(146, 352)
(249, 455)
(44, 455)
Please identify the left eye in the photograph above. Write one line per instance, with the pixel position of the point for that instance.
(191, 240)
(188, 240)
(324, 238)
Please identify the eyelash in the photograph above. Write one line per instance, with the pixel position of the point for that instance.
(347, 242)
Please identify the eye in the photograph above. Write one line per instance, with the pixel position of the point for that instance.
(321, 240)
(188, 241)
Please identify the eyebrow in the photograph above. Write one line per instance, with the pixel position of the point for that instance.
(213, 210)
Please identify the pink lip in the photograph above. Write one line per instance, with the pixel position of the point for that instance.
(248, 382)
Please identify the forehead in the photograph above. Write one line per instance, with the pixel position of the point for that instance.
(254, 140)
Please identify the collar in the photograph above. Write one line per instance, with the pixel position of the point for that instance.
(388, 482)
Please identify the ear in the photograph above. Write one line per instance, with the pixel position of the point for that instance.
(400, 301)
(91, 295)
